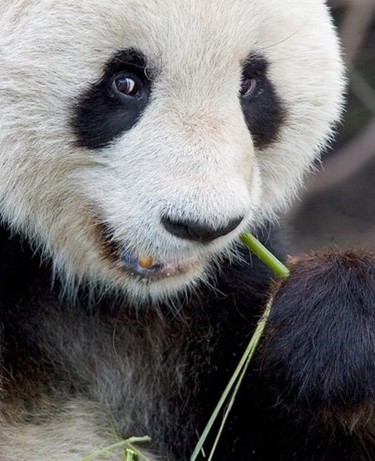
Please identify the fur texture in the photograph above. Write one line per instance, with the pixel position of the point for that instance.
(190, 155)
(112, 320)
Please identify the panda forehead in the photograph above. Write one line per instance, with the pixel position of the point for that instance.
(181, 30)
(172, 32)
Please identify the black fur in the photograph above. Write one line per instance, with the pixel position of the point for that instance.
(317, 359)
(319, 352)
(16, 267)
(264, 112)
(99, 116)
(306, 398)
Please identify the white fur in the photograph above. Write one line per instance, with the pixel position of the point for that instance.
(80, 430)
(191, 153)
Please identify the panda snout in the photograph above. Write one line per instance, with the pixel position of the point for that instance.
(199, 231)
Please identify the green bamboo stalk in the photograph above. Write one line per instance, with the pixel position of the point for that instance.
(265, 255)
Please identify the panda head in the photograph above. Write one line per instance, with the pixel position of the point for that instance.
(139, 138)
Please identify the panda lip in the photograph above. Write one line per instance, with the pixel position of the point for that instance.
(144, 267)
(135, 265)
(153, 269)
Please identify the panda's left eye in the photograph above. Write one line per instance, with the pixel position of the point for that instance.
(248, 87)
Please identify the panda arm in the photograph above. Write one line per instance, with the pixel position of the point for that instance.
(318, 351)
(313, 380)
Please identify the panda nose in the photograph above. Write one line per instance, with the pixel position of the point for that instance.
(198, 232)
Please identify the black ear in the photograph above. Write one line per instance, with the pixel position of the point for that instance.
(319, 347)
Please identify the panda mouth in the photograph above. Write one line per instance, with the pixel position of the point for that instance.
(147, 268)
(143, 267)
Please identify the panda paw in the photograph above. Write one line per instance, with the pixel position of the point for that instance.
(318, 353)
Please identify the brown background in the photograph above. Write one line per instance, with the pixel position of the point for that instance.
(338, 205)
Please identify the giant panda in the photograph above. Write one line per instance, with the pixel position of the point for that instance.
(138, 140)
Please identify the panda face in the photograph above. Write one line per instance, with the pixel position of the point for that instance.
(139, 138)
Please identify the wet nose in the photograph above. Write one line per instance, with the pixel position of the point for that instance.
(197, 231)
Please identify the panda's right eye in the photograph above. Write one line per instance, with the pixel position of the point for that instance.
(124, 85)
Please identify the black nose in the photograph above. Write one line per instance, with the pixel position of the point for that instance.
(193, 230)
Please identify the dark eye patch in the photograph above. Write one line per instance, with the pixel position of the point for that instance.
(101, 115)
(264, 112)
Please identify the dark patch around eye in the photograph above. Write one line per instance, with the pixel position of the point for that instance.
(100, 116)
(264, 112)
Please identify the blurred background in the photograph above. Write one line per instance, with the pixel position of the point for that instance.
(337, 206)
